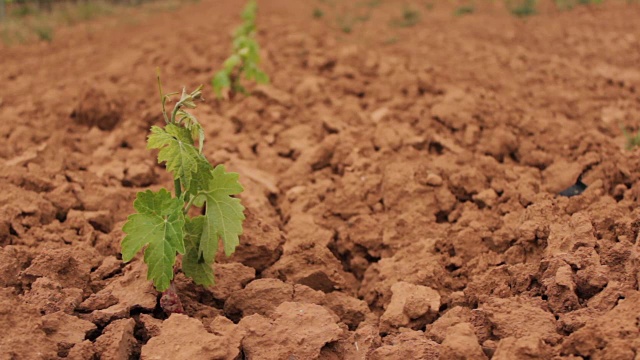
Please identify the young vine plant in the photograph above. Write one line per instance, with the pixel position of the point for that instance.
(162, 222)
(245, 59)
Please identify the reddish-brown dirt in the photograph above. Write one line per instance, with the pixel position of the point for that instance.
(401, 188)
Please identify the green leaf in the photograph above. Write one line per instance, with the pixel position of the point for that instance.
(231, 62)
(261, 77)
(158, 225)
(192, 124)
(201, 179)
(194, 265)
(224, 214)
(220, 81)
(249, 12)
(176, 149)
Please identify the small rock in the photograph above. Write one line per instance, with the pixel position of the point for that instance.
(151, 324)
(309, 86)
(351, 311)
(66, 330)
(110, 265)
(293, 331)
(314, 267)
(487, 197)
(229, 278)
(260, 244)
(387, 136)
(82, 351)
(528, 347)
(100, 220)
(13, 259)
(520, 317)
(191, 338)
(132, 289)
(379, 114)
(461, 343)
(61, 266)
(433, 180)
(407, 345)
(117, 341)
(49, 297)
(139, 175)
(261, 296)
(96, 108)
(560, 175)
(411, 306)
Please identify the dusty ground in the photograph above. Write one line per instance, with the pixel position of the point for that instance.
(400, 188)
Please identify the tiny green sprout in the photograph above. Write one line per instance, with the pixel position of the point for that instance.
(410, 17)
(633, 141)
(44, 32)
(590, 2)
(318, 13)
(346, 23)
(162, 224)
(373, 3)
(522, 8)
(390, 40)
(464, 10)
(244, 59)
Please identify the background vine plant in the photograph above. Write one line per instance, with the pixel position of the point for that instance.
(245, 58)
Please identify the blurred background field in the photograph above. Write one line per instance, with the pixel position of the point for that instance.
(28, 20)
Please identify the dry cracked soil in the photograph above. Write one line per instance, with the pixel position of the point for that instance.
(401, 187)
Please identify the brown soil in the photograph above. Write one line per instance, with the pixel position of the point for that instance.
(401, 195)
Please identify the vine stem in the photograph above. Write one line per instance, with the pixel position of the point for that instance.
(170, 301)
(188, 206)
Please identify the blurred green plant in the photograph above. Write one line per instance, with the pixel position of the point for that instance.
(346, 23)
(24, 21)
(522, 8)
(244, 59)
(409, 17)
(23, 10)
(464, 10)
(390, 40)
(318, 13)
(570, 4)
(632, 140)
(44, 32)
(373, 3)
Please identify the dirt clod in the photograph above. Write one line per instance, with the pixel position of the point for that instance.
(293, 330)
(96, 108)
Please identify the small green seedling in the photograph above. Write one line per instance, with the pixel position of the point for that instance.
(318, 13)
(464, 10)
(44, 32)
(522, 8)
(633, 141)
(245, 58)
(346, 23)
(372, 3)
(570, 4)
(410, 17)
(162, 222)
(390, 40)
